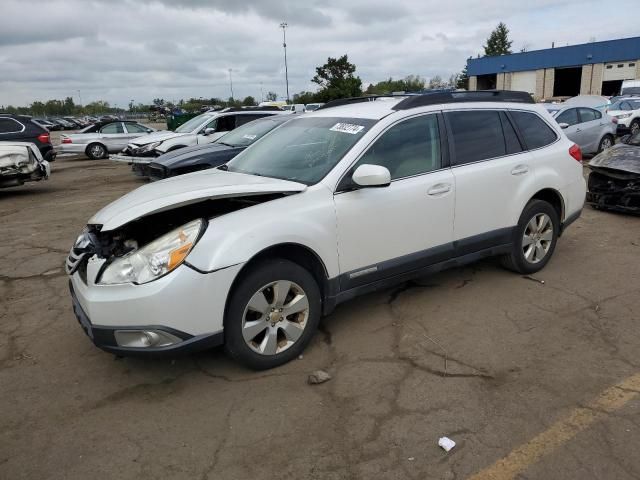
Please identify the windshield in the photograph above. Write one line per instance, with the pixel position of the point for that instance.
(247, 134)
(302, 150)
(192, 124)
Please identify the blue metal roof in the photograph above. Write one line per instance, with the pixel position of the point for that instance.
(575, 55)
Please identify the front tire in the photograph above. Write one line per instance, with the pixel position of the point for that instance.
(534, 239)
(96, 151)
(272, 314)
(634, 127)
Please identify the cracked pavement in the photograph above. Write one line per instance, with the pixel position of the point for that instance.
(483, 356)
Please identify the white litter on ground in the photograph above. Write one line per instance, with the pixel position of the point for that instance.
(446, 443)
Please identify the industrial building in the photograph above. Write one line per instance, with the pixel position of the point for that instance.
(596, 68)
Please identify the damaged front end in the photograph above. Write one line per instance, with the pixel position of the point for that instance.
(20, 163)
(135, 242)
(614, 181)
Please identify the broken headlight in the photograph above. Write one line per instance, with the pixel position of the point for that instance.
(148, 147)
(155, 259)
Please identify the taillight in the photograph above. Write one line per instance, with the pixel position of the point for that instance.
(43, 138)
(66, 140)
(575, 152)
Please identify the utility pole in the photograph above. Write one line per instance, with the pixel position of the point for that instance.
(80, 97)
(284, 26)
(231, 83)
(261, 93)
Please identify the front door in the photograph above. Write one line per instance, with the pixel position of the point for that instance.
(385, 231)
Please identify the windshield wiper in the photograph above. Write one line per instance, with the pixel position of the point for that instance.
(226, 144)
(224, 167)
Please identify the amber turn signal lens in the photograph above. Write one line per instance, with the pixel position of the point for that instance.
(178, 255)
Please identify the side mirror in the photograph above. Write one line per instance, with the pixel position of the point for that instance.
(371, 176)
(209, 131)
(563, 125)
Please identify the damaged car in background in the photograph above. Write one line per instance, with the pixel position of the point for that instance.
(614, 181)
(21, 162)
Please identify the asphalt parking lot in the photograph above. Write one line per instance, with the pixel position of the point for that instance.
(532, 380)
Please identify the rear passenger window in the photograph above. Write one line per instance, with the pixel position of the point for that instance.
(9, 125)
(535, 132)
(477, 135)
(409, 148)
(511, 141)
(112, 128)
(587, 115)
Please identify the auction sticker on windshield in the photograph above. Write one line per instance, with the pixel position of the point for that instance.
(249, 137)
(347, 128)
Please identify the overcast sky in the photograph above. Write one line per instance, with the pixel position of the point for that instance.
(118, 50)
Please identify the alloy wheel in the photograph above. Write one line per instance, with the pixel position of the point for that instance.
(606, 143)
(275, 317)
(537, 238)
(97, 151)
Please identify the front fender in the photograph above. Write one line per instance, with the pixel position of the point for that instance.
(306, 219)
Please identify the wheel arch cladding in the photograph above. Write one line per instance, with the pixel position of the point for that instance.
(552, 197)
(296, 253)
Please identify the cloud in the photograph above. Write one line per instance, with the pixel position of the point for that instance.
(118, 50)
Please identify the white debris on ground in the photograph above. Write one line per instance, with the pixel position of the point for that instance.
(446, 443)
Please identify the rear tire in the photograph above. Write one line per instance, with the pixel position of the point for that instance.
(607, 141)
(534, 239)
(272, 314)
(96, 151)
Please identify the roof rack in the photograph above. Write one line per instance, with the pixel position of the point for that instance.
(349, 101)
(463, 96)
(270, 108)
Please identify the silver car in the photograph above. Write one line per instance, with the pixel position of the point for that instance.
(590, 129)
(97, 141)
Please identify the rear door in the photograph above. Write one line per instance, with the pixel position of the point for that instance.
(590, 120)
(12, 129)
(490, 166)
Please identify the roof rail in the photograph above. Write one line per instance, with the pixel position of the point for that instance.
(349, 101)
(415, 101)
(249, 109)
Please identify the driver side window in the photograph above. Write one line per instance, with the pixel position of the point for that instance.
(409, 148)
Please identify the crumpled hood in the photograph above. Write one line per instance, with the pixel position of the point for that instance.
(186, 189)
(160, 136)
(625, 158)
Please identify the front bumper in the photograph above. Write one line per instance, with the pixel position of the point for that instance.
(131, 160)
(104, 337)
(185, 303)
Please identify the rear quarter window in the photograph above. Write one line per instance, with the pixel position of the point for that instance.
(535, 131)
(9, 125)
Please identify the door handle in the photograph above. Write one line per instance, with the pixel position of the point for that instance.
(439, 189)
(520, 170)
(578, 129)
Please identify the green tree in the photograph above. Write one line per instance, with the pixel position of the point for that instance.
(337, 80)
(68, 106)
(498, 42)
(272, 96)
(304, 97)
(463, 79)
(249, 101)
(411, 83)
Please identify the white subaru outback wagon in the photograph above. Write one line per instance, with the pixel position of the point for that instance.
(352, 197)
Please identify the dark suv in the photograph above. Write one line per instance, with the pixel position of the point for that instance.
(19, 128)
